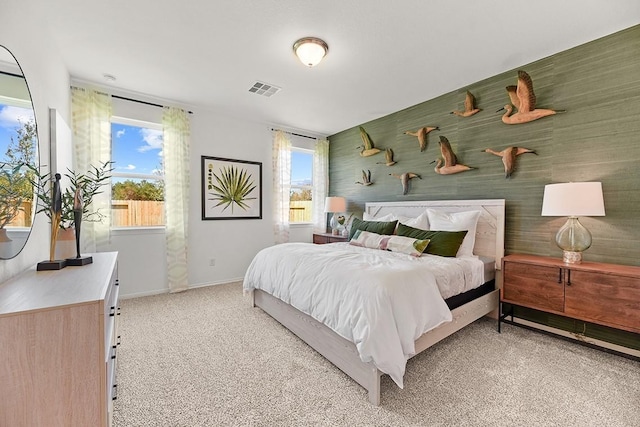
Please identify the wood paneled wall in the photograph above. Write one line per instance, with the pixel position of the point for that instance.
(597, 139)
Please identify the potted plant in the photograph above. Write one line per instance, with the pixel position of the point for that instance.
(89, 185)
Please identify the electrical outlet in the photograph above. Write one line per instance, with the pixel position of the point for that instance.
(212, 262)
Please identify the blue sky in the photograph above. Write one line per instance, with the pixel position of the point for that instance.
(301, 168)
(10, 118)
(136, 149)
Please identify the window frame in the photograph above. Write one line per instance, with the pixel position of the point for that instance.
(145, 229)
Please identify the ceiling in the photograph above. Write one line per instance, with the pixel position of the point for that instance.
(383, 55)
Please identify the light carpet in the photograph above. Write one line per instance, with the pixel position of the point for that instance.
(206, 358)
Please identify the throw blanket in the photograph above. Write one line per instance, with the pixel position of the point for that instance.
(381, 301)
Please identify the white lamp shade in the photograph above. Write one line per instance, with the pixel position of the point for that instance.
(573, 199)
(335, 204)
(310, 50)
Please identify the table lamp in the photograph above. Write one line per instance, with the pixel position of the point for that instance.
(573, 199)
(335, 205)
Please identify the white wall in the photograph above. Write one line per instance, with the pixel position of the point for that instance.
(142, 265)
(25, 34)
(232, 243)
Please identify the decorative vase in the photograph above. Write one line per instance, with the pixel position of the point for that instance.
(66, 245)
(3, 236)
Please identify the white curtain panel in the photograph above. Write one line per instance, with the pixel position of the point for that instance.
(281, 185)
(176, 137)
(91, 124)
(320, 185)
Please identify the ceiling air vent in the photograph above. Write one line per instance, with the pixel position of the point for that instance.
(264, 89)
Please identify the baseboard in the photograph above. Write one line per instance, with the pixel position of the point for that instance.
(166, 291)
(592, 342)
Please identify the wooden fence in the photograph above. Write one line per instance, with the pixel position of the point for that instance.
(23, 219)
(300, 211)
(136, 213)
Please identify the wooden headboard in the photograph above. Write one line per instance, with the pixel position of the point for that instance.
(490, 229)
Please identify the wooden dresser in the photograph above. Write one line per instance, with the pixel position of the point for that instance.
(58, 342)
(604, 294)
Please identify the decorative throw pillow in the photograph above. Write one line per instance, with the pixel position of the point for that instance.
(379, 227)
(405, 245)
(367, 239)
(457, 221)
(442, 243)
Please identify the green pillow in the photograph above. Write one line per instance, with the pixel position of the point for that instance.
(443, 243)
(378, 227)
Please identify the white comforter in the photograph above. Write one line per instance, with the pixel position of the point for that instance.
(381, 301)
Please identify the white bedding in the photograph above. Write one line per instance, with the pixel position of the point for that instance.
(381, 301)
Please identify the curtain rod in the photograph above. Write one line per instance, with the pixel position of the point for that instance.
(124, 98)
(141, 102)
(295, 134)
(12, 74)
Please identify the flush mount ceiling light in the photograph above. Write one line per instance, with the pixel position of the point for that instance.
(310, 50)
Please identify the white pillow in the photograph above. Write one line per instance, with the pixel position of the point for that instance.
(421, 221)
(457, 221)
(385, 218)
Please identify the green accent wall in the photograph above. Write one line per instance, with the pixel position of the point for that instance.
(597, 139)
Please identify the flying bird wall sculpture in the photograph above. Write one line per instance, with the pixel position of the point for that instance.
(404, 179)
(524, 101)
(388, 158)
(367, 149)
(469, 106)
(422, 135)
(509, 156)
(451, 164)
(366, 178)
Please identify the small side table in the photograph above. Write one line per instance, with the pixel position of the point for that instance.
(322, 238)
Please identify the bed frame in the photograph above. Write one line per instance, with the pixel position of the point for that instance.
(343, 353)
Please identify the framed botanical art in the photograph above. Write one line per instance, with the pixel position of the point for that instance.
(231, 189)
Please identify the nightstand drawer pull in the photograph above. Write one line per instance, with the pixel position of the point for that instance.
(568, 277)
(559, 275)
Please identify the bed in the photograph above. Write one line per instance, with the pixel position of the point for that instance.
(340, 336)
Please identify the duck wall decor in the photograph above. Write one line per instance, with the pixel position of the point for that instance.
(524, 100)
(422, 135)
(404, 179)
(451, 164)
(509, 155)
(388, 158)
(366, 178)
(469, 106)
(367, 149)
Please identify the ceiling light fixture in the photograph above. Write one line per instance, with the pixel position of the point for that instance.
(310, 50)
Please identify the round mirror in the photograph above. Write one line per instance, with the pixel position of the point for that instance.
(18, 157)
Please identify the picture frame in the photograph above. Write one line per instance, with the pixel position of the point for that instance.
(231, 189)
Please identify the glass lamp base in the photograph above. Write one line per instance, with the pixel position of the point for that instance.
(571, 257)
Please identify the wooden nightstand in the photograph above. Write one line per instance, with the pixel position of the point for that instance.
(322, 238)
(604, 294)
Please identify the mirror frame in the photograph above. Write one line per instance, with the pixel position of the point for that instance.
(14, 250)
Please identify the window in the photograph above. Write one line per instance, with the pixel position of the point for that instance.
(137, 184)
(300, 210)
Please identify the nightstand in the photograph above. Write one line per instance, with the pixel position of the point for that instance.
(322, 238)
(599, 293)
